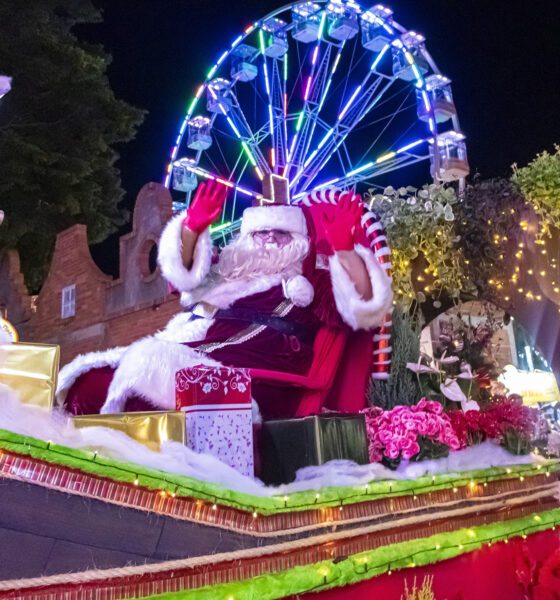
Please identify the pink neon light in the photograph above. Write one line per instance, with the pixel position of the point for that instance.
(272, 158)
(308, 88)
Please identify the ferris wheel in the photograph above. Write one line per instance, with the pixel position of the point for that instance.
(316, 94)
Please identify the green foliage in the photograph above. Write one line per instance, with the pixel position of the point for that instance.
(420, 224)
(489, 224)
(540, 183)
(57, 129)
(402, 385)
(430, 449)
(516, 442)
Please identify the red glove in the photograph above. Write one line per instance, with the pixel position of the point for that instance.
(206, 206)
(339, 227)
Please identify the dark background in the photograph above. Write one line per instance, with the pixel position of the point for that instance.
(502, 55)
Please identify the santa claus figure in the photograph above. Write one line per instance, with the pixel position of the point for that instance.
(258, 306)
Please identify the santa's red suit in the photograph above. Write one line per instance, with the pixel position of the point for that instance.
(246, 318)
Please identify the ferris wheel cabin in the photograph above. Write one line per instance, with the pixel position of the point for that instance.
(218, 98)
(406, 63)
(343, 20)
(184, 180)
(376, 28)
(451, 157)
(242, 67)
(200, 133)
(306, 18)
(438, 88)
(275, 38)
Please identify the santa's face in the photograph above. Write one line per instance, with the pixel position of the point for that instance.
(262, 252)
(272, 238)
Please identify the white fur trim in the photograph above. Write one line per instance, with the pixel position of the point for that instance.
(354, 310)
(147, 369)
(299, 290)
(222, 294)
(286, 218)
(83, 363)
(179, 329)
(171, 261)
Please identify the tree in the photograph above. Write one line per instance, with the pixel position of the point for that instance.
(58, 127)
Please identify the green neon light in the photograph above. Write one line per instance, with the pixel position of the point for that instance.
(220, 227)
(249, 154)
(261, 40)
(322, 25)
(191, 106)
(299, 121)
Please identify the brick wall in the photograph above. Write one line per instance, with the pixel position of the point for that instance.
(109, 312)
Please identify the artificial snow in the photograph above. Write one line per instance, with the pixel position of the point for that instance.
(57, 428)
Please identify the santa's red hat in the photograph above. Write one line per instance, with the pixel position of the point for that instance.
(274, 216)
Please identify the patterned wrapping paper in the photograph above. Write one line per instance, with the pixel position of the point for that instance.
(217, 403)
(149, 428)
(31, 370)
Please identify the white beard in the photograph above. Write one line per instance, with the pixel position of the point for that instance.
(244, 259)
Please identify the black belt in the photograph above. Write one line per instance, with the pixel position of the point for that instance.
(281, 324)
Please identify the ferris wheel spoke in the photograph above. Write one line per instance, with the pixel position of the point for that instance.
(361, 101)
(314, 85)
(389, 120)
(307, 119)
(277, 113)
(354, 111)
(384, 164)
(250, 141)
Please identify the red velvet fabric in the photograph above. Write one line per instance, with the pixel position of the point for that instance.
(89, 391)
(500, 572)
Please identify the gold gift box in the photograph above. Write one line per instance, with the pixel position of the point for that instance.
(31, 370)
(148, 428)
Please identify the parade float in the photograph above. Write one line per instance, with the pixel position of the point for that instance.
(212, 460)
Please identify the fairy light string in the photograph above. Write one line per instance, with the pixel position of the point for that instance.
(374, 490)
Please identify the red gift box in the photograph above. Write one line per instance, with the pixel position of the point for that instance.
(217, 403)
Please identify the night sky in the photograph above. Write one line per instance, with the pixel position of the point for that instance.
(503, 58)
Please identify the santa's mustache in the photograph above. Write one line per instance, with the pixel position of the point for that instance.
(243, 258)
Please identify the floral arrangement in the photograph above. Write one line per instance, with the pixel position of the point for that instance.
(404, 431)
(505, 420)
(438, 382)
(463, 367)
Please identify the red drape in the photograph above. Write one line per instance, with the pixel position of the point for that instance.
(510, 571)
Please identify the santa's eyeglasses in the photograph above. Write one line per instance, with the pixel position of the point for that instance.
(278, 235)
